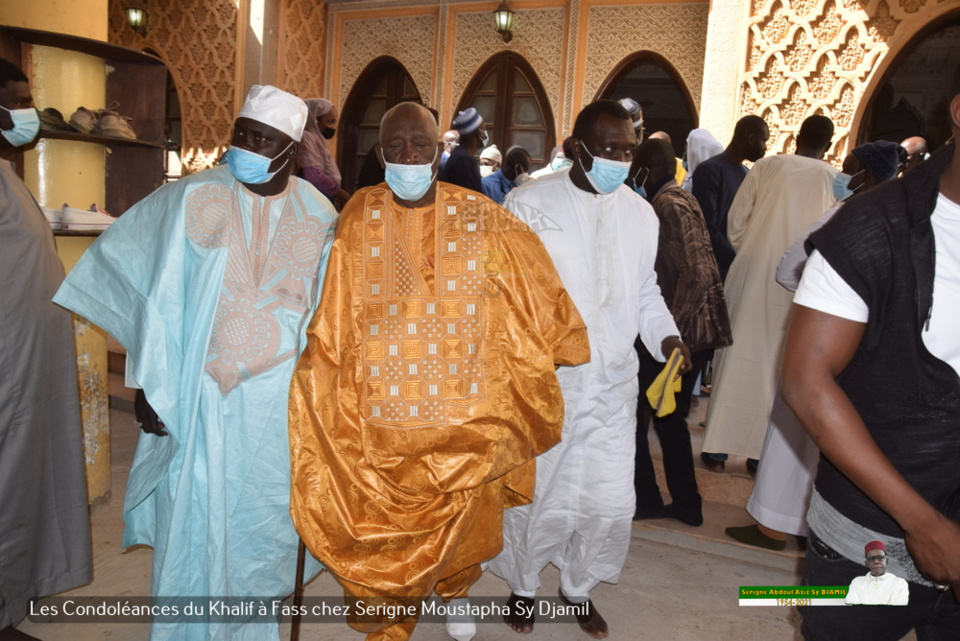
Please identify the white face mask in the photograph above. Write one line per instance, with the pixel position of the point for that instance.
(485, 170)
(521, 178)
(26, 126)
(409, 182)
(606, 175)
(251, 168)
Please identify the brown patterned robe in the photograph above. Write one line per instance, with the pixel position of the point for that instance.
(687, 271)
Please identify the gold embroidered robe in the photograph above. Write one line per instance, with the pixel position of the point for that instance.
(426, 391)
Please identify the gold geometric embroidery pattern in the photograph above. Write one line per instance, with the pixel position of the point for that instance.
(421, 349)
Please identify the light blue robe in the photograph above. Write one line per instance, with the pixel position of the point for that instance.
(210, 288)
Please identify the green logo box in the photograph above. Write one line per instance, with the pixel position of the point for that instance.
(793, 591)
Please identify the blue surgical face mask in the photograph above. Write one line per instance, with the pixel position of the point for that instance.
(841, 185)
(560, 163)
(26, 126)
(484, 138)
(641, 188)
(251, 168)
(605, 175)
(409, 182)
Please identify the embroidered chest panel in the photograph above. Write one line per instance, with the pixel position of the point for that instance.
(268, 287)
(422, 345)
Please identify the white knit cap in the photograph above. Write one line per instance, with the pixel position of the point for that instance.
(492, 153)
(277, 108)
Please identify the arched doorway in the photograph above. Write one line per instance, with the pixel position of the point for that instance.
(653, 82)
(912, 98)
(384, 83)
(508, 94)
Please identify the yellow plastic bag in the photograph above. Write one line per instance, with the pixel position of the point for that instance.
(661, 393)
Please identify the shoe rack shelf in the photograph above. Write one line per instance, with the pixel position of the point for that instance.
(68, 232)
(96, 138)
(134, 80)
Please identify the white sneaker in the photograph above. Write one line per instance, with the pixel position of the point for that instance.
(461, 627)
(53, 217)
(92, 219)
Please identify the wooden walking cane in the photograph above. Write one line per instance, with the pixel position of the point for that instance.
(298, 592)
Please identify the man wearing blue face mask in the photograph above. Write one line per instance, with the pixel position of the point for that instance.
(44, 527)
(209, 283)
(428, 385)
(602, 237)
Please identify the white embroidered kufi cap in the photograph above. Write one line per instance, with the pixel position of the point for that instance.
(277, 108)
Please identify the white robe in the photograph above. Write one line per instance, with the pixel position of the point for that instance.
(778, 200)
(604, 248)
(784, 483)
(788, 465)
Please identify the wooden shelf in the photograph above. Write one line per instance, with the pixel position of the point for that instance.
(74, 232)
(95, 138)
(137, 82)
(88, 46)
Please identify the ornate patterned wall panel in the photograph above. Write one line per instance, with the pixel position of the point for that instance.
(537, 36)
(817, 56)
(197, 39)
(678, 32)
(300, 60)
(409, 39)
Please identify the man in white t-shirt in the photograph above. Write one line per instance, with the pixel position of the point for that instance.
(870, 368)
(877, 587)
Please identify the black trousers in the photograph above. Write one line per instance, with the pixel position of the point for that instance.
(933, 614)
(674, 441)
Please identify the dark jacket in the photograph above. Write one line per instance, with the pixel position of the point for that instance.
(462, 170)
(881, 243)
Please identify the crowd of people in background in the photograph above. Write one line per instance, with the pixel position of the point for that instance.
(470, 341)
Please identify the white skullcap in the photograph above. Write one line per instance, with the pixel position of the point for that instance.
(277, 108)
(492, 153)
